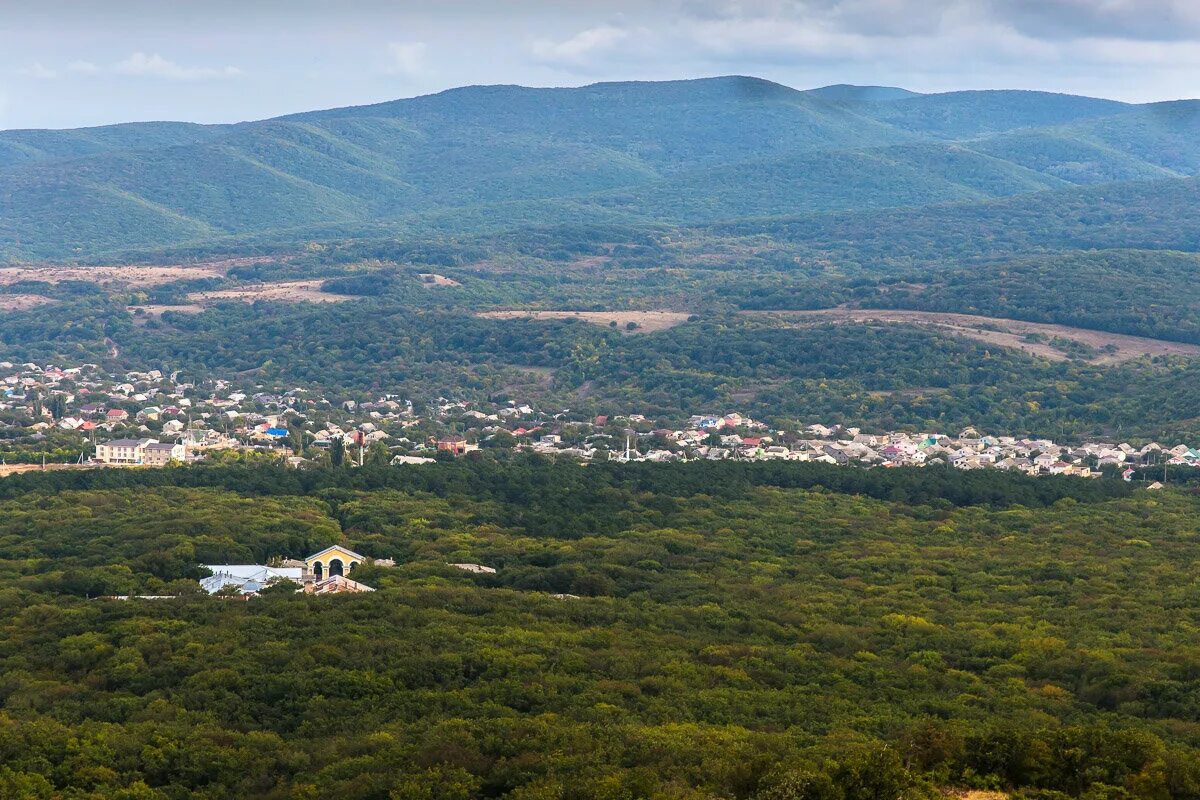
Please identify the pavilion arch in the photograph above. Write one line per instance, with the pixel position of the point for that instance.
(335, 560)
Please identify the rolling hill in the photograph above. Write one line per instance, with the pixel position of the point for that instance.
(490, 157)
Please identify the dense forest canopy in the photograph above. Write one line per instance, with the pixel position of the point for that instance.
(735, 630)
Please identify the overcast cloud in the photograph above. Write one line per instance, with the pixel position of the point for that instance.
(67, 63)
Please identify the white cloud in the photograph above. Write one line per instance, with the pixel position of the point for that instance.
(1140, 20)
(155, 66)
(37, 71)
(407, 59)
(958, 35)
(83, 68)
(583, 47)
(963, 42)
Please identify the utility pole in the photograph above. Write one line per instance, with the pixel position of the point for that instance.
(1165, 460)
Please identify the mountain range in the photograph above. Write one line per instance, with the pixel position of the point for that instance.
(730, 151)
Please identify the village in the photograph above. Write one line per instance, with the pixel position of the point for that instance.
(82, 417)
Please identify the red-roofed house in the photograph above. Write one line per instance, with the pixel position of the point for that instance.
(452, 444)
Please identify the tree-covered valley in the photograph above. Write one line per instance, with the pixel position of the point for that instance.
(655, 631)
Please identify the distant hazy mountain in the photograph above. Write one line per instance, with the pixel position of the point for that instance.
(848, 93)
(962, 114)
(683, 151)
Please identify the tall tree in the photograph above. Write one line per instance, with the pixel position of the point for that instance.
(58, 406)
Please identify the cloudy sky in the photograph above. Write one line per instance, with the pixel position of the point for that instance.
(66, 63)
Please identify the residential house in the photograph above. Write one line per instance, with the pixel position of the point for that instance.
(455, 445)
(159, 454)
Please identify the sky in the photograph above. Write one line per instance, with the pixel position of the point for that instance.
(73, 63)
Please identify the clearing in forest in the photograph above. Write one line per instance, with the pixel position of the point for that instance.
(431, 279)
(286, 292)
(105, 276)
(1036, 338)
(21, 302)
(152, 310)
(646, 321)
(134, 275)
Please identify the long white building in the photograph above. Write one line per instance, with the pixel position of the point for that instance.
(148, 452)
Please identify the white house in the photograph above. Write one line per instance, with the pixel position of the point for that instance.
(249, 578)
(159, 454)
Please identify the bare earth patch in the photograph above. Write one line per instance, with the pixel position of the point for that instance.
(286, 292)
(225, 264)
(591, 262)
(20, 302)
(431, 279)
(158, 310)
(647, 321)
(105, 276)
(17, 469)
(131, 274)
(1003, 332)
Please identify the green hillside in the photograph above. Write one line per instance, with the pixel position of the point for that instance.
(1163, 133)
(906, 175)
(1155, 215)
(28, 146)
(1064, 154)
(955, 115)
(1140, 292)
(490, 158)
(668, 125)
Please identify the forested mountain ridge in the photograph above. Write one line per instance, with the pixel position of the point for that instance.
(683, 152)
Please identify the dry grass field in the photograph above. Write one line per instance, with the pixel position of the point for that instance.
(108, 276)
(158, 310)
(137, 275)
(286, 292)
(21, 302)
(432, 280)
(646, 321)
(1113, 347)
